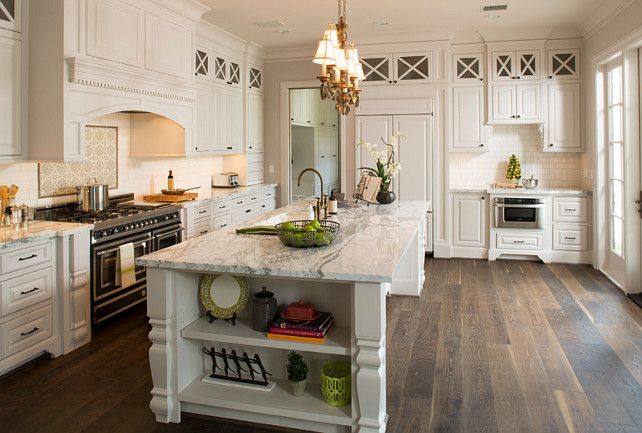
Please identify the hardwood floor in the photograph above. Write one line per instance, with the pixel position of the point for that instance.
(506, 347)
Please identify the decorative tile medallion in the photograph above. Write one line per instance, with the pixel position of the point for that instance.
(101, 147)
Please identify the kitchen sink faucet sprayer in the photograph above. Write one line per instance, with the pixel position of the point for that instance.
(322, 202)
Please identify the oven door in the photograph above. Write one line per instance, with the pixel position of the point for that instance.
(167, 237)
(105, 258)
(522, 216)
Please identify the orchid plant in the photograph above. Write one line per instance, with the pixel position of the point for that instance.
(386, 167)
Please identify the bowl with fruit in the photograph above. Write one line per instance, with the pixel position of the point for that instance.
(307, 233)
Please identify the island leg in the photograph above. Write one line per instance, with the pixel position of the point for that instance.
(162, 317)
(370, 355)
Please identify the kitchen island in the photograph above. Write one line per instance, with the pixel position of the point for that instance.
(379, 250)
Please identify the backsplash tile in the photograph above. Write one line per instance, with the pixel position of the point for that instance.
(101, 149)
(553, 169)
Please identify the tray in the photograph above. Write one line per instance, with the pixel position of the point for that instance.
(171, 198)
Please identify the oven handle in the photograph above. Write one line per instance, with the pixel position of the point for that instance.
(531, 206)
(111, 250)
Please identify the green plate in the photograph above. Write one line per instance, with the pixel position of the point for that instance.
(224, 295)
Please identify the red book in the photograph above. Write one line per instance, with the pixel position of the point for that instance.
(301, 332)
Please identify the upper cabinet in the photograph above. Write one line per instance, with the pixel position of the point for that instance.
(11, 109)
(226, 70)
(515, 65)
(400, 68)
(564, 133)
(468, 118)
(564, 64)
(255, 78)
(11, 15)
(468, 68)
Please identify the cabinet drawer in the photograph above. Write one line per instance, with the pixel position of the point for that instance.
(573, 209)
(222, 221)
(202, 227)
(514, 241)
(203, 212)
(26, 331)
(255, 177)
(222, 206)
(25, 258)
(246, 212)
(255, 157)
(571, 238)
(267, 205)
(268, 194)
(26, 290)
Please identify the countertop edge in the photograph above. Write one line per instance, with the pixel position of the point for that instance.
(225, 193)
(35, 231)
(536, 191)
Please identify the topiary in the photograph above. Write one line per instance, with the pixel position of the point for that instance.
(296, 367)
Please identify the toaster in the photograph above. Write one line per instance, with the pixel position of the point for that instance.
(225, 180)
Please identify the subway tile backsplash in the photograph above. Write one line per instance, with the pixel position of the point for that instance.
(553, 169)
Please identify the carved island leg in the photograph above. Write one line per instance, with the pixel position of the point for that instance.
(162, 317)
(370, 337)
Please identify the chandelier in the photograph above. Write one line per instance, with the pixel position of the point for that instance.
(341, 69)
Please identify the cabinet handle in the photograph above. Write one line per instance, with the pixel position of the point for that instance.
(512, 116)
(248, 211)
(519, 78)
(35, 328)
(518, 242)
(481, 79)
(229, 82)
(223, 225)
(27, 258)
(483, 198)
(239, 202)
(250, 147)
(322, 156)
(202, 211)
(569, 210)
(222, 207)
(390, 81)
(30, 291)
(253, 198)
(203, 232)
(512, 78)
(229, 147)
(518, 116)
(550, 77)
(569, 239)
(481, 145)
(550, 145)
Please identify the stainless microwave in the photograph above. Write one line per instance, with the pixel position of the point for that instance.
(519, 212)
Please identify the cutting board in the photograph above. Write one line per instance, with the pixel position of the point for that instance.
(171, 198)
(506, 185)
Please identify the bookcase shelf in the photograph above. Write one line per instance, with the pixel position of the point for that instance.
(337, 343)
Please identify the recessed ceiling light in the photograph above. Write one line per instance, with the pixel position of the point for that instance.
(282, 31)
(274, 23)
(381, 23)
(493, 16)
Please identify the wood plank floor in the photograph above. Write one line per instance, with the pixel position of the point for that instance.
(506, 347)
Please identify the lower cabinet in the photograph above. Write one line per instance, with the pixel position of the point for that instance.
(470, 225)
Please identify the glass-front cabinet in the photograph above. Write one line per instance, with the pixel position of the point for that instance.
(10, 15)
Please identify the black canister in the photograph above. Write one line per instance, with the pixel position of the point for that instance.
(264, 309)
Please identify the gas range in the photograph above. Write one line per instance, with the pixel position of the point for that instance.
(122, 218)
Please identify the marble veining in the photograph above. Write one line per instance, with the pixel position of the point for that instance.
(11, 237)
(386, 229)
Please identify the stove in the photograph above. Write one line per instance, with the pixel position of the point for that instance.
(148, 226)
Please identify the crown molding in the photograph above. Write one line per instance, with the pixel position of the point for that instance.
(191, 9)
(601, 16)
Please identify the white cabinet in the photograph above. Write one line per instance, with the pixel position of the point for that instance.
(570, 209)
(564, 118)
(11, 104)
(564, 64)
(468, 68)
(219, 119)
(468, 118)
(470, 220)
(168, 47)
(516, 104)
(303, 107)
(226, 70)
(199, 220)
(571, 223)
(326, 157)
(116, 31)
(11, 15)
(398, 68)
(515, 65)
(254, 122)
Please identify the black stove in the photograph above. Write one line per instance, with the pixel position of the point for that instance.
(123, 217)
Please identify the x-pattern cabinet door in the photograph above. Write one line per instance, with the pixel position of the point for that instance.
(564, 64)
(255, 79)
(10, 15)
(468, 68)
(377, 69)
(412, 67)
(516, 65)
(202, 59)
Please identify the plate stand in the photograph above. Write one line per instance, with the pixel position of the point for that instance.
(229, 319)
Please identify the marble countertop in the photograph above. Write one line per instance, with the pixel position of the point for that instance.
(372, 241)
(212, 194)
(10, 237)
(485, 189)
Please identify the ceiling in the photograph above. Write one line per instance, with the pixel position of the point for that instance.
(408, 19)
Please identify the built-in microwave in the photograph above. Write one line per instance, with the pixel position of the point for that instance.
(518, 212)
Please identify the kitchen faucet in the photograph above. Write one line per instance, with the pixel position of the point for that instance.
(322, 202)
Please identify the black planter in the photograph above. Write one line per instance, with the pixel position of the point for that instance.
(386, 197)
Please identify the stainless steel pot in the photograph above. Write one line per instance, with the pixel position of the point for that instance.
(530, 183)
(94, 197)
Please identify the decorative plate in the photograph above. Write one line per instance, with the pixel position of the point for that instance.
(224, 295)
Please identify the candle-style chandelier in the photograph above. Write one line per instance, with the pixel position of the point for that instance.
(341, 69)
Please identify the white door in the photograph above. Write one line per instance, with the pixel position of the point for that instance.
(371, 129)
(528, 101)
(470, 220)
(615, 259)
(468, 117)
(503, 102)
(564, 116)
(415, 156)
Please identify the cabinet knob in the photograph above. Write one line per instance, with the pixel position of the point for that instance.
(481, 79)
(229, 147)
(518, 116)
(483, 198)
(512, 116)
(550, 145)
(519, 78)
(481, 145)
(550, 77)
(390, 81)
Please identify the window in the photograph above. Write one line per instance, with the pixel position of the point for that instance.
(615, 147)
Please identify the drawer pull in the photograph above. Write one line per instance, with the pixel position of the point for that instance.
(222, 207)
(203, 232)
(569, 238)
(248, 211)
(239, 202)
(27, 258)
(30, 291)
(35, 328)
(223, 225)
(518, 242)
(202, 211)
(570, 210)
(253, 198)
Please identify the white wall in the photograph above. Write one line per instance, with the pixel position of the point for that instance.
(134, 175)
(552, 169)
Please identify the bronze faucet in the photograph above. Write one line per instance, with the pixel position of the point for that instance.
(322, 202)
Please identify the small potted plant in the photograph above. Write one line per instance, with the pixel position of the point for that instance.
(297, 370)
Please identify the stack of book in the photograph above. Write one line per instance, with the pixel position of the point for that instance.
(313, 331)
